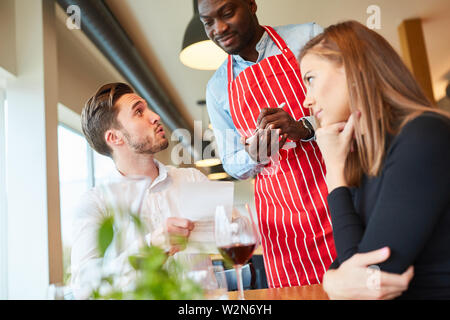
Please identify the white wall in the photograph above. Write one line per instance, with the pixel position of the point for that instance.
(33, 239)
(7, 36)
(82, 69)
(3, 206)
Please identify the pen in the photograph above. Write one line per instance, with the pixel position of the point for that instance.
(251, 138)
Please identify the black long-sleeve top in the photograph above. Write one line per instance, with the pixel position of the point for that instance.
(406, 207)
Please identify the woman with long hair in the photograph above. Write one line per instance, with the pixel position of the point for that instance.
(386, 149)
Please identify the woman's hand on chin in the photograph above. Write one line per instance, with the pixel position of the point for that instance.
(335, 141)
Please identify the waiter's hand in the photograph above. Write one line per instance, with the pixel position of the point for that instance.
(261, 146)
(174, 233)
(277, 118)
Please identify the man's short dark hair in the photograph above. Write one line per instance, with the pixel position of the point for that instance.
(100, 114)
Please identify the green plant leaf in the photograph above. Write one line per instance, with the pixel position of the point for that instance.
(137, 221)
(155, 278)
(105, 235)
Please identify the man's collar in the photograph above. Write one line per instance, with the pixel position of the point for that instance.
(260, 47)
(162, 173)
(262, 44)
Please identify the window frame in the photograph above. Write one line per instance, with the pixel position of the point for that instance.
(90, 176)
(3, 201)
(71, 121)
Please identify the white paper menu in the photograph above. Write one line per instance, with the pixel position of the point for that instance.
(198, 203)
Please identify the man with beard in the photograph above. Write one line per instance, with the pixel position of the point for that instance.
(118, 123)
(257, 89)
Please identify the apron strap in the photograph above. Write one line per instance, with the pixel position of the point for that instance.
(281, 44)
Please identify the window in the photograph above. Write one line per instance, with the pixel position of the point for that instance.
(3, 208)
(103, 167)
(73, 181)
(80, 168)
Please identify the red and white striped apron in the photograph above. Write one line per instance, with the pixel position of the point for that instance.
(293, 215)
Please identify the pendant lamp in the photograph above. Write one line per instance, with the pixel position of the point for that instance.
(198, 52)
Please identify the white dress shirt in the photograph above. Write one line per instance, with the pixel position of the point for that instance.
(160, 202)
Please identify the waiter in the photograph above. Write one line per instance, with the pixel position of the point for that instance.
(244, 94)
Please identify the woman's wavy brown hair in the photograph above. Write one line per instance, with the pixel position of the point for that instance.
(380, 86)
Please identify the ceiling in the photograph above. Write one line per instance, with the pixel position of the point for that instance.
(157, 28)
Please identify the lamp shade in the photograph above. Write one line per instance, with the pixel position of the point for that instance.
(205, 163)
(218, 173)
(198, 52)
(218, 176)
(209, 158)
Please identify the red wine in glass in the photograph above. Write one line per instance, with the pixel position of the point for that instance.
(238, 253)
(236, 238)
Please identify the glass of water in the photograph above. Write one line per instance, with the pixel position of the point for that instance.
(212, 280)
(221, 292)
(57, 291)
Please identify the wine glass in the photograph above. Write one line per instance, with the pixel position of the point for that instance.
(56, 291)
(236, 238)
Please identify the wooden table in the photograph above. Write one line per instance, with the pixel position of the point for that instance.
(312, 292)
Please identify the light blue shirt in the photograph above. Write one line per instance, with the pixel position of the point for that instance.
(235, 159)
